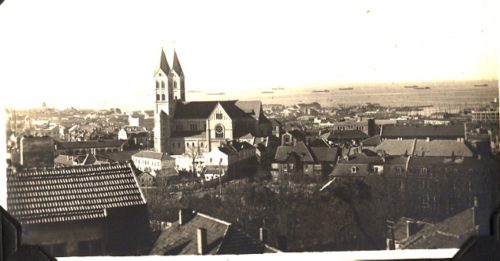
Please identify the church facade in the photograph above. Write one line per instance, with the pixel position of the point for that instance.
(196, 127)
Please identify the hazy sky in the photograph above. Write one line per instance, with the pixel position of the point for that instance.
(103, 53)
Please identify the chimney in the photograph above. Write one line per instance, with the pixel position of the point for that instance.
(263, 236)
(411, 228)
(201, 240)
(184, 216)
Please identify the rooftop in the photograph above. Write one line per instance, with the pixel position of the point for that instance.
(52, 195)
(222, 238)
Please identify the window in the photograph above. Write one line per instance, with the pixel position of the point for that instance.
(219, 131)
(163, 97)
(162, 84)
(218, 116)
(194, 127)
(354, 169)
(157, 97)
(157, 85)
(423, 171)
(175, 84)
(201, 144)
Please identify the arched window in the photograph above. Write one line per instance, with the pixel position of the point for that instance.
(162, 84)
(157, 85)
(163, 97)
(157, 97)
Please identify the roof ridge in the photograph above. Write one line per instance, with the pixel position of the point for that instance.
(213, 218)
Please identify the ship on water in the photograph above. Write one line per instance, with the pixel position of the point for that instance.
(411, 86)
(321, 91)
(278, 88)
(346, 89)
(216, 93)
(266, 92)
(422, 88)
(481, 85)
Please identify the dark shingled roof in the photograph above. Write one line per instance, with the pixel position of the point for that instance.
(203, 109)
(163, 63)
(422, 132)
(372, 141)
(177, 65)
(325, 154)
(347, 135)
(222, 238)
(62, 145)
(71, 193)
(449, 233)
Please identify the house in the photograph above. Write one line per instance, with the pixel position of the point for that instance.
(80, 210)
(366, 126)
(204, 124)
(199, 234)
(359, 165)
(300, 159)
(138, 136)
(443, 132)
(214, 172)
(93, 146)
(234, 157)
(146, 160)
(146, 179)
(451, 232)
(347, 136)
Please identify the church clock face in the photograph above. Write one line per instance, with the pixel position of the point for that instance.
(219, 129)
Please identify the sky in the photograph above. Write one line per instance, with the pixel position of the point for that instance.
(102, 54)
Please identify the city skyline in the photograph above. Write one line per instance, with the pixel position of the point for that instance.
(103, 55)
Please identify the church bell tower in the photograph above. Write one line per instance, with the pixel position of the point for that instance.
(169, 89)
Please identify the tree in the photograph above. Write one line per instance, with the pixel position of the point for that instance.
(193, 152)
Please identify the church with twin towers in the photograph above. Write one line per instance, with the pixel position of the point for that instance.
(181, 126)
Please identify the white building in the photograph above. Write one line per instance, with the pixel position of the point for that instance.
(150, 160)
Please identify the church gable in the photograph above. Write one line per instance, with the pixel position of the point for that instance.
(218, 113)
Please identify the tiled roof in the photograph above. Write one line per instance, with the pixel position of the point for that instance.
(119, 156)
(442, 148)
(152, 155)
(372, 141)
(396, 147)
(62, 145)
(449, 233)
(420, 147)
(417, 131)
(282, 153)
(222, 238)
(71, 193)
(64, 160)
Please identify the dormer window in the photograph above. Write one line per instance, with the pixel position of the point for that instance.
(354, 169)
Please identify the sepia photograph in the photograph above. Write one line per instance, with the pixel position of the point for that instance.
(335, 130)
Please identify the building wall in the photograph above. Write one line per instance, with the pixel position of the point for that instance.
(66, 238)
(37, 152)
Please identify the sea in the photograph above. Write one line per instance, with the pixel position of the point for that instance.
(430, 94)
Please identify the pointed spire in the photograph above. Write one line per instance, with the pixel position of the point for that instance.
(163, 63)
(177, 65)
